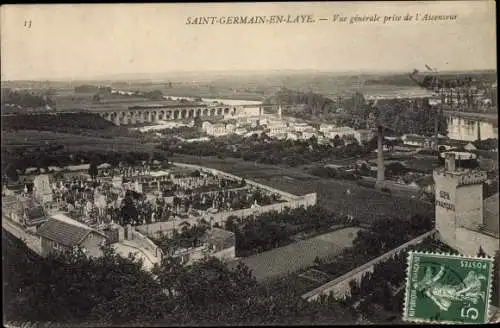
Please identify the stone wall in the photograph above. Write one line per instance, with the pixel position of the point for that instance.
(155, 229)
(292, 201)
(146, 243)
(226, 254)
(467, 242)
(285, 195)
(340, 287)
(33, 241)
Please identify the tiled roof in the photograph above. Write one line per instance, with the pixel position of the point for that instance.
(63, 233)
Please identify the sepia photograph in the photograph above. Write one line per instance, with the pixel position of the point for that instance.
(228, 164)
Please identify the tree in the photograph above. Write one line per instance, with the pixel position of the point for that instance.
(231, 224)
(93, 171)
(11, 173)
(128, 213)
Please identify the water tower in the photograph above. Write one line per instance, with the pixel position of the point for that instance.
(459, 198)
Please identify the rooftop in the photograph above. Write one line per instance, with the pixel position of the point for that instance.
(78, 167)
(414, 137)
(63, 233)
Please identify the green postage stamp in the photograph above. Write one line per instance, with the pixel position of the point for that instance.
(443, 288)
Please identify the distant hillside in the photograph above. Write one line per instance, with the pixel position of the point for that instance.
(476, 77)
(396, 80)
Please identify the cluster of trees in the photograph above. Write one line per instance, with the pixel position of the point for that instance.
(271, 230)
(409, 116)
(87, 88)
(60, 122)
(187, 237)
(486, 144)
(256, 234)
(384, 288)
(314, 103)
(129, 213)
(111, 290)
(384, 235)
(401, 115)
(153, 95)
(394, 169)
(27, 99)
(267, 151)
(310, 104)
(106, 90)
(184, 132)
(332, 173)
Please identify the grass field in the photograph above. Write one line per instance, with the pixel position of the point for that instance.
(31, 138)
(299, 255)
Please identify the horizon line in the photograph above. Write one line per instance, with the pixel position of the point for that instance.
(130, 76)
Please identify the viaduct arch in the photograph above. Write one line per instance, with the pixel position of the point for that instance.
(154, 114)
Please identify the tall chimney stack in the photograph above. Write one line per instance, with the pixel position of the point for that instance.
(380, 155)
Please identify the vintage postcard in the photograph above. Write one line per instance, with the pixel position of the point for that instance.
(209, 164)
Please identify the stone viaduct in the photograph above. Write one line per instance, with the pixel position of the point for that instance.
(155, 113)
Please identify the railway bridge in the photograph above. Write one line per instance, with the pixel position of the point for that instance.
(155, 113)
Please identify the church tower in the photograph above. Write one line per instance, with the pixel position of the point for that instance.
(459, 200)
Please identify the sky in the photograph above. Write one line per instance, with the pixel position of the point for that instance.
(98, 40)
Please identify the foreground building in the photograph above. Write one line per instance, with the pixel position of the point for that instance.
(464, 220)
(61, 233)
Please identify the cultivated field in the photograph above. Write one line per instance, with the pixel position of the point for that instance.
(299, 255)
(31, 138)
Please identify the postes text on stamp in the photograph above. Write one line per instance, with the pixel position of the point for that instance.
(443, 288)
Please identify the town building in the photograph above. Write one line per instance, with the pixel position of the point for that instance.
(341, 132)
(214, 130)
(363, 135)
(416, 140)
(61, 233)
(277, 128)
(301, 127)
(464, 220)
(324, 128)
